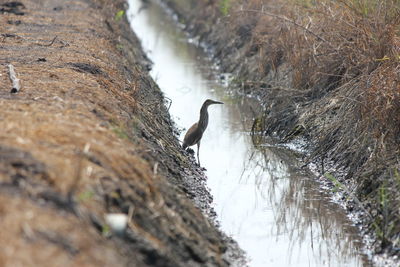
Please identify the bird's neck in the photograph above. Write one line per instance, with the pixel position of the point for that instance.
(203, 121)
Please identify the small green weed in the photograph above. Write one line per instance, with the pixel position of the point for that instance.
(337, 185)
(86, 195)
(120, 132)
(225, 6)
(106, 231)
(119, 15)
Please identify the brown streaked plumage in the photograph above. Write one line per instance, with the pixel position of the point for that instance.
(195, 133)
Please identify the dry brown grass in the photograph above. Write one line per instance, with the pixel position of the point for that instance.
(327, 70)
(344, 58)
(81, 139)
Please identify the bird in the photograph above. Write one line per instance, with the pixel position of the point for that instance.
(195, 133)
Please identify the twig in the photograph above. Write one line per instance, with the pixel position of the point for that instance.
(52, 42)
(15, 81)
(78, 174)
(130, 214)
(155, 169)
(170, 102)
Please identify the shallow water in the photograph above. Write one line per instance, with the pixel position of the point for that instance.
(278, 214)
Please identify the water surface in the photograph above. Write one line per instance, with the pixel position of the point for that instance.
(277, 213)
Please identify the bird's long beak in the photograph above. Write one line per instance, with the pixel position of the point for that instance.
(216, 102)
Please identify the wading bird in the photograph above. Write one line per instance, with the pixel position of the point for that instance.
(195, 133)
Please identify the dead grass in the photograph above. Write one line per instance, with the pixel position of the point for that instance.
(27, 246)
(78, 140)
(329, 71)
(344, 55)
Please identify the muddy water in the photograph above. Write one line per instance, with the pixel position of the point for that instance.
(278, 214)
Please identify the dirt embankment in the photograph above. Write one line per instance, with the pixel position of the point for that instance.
(327, 71)
(87, 135)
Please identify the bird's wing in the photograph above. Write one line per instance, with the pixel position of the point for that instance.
(192, 136)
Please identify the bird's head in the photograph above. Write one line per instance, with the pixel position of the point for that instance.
(211, 102)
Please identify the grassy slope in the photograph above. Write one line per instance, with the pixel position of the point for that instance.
(88, 135)
(328, 71)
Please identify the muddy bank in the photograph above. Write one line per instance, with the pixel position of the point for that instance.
(321, 79)
(87, 135)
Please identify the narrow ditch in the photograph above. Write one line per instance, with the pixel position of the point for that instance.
(276, 211)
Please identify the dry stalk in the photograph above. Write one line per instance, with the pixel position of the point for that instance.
(15, 81)
(290, 21)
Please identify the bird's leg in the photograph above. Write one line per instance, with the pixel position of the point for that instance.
(198, 149)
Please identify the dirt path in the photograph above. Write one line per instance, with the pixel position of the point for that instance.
(88, 135)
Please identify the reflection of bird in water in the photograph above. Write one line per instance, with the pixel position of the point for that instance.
(195, 133)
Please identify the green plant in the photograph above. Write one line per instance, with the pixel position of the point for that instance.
(120, 132)
(106, 230)
(397, 177)
(337, 185)
(119, 15)
(225, 6)
(86, 195)
(383, 198)
(120, 47)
